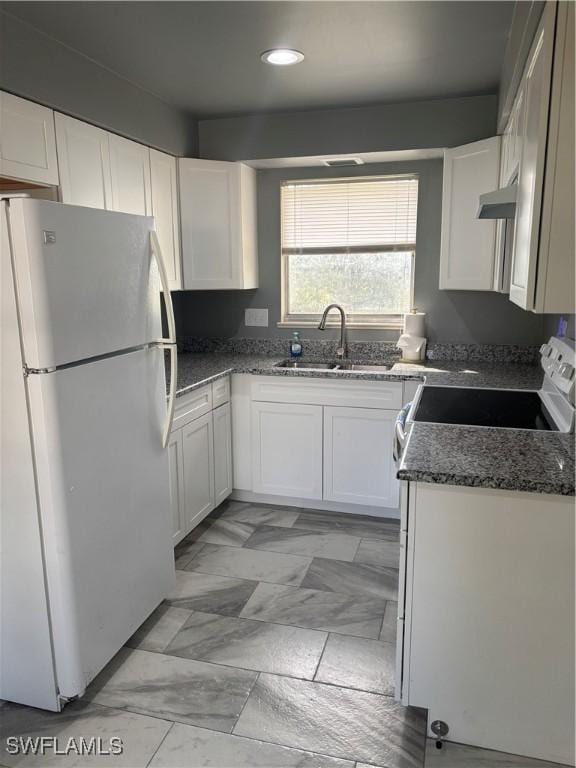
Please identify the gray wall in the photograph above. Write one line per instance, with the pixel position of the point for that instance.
(453, 316)
(522, 30)
(412, 125)
(37, 67)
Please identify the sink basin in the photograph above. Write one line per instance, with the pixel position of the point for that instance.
(311, 365)
(375, 367)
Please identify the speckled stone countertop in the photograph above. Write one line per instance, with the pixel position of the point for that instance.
(541, 462)
(485, 457)
(196, 369)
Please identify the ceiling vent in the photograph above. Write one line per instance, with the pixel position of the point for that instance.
(343, 162)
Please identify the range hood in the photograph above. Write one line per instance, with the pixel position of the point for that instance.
(500, 204)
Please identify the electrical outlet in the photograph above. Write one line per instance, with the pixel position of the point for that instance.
(256, 317)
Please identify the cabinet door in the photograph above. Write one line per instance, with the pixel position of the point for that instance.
(164, 191)
(512, 141)
(84, 162)
(176, 464)
(27, 141)
(287, 449)
(358, 463)
(222, 453)
(198, 462)
(130, 169)
(468, 243)
(556, 280)
(531, 170)
(209, 205)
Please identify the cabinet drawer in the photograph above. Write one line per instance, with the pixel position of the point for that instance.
(190, 406)
(220, 391)
(354, 393)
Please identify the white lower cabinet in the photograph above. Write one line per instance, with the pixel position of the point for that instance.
(222, 427)
(358, 462)
(318, 440)
(287, 449)
(487, 610)
(198, 454)
(200, 458)
(176, 466)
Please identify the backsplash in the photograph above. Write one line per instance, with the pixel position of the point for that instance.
(363, 350)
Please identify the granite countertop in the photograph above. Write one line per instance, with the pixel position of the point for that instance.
(196, 369)
(486, 457)
(508, 459)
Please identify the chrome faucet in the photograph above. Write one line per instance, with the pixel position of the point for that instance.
(342, 350)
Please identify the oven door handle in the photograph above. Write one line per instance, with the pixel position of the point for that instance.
(400, 433)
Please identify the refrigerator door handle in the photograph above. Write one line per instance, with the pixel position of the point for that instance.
(169, 342)
(157, 253)
(172, 394)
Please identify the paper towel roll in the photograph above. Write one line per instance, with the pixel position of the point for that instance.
(415, 323)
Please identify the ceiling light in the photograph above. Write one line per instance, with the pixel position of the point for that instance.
(282, 57)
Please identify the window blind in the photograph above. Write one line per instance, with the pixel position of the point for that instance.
(360, 215)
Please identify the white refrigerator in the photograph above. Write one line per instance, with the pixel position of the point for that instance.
(85, 539)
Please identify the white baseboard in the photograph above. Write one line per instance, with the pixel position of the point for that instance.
(329, 506)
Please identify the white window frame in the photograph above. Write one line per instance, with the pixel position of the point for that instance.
(362, 322)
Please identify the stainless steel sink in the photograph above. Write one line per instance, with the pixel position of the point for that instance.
(310, 366)
(374, 367)
(343, 366)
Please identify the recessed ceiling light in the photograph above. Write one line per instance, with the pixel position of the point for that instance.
(282, 57)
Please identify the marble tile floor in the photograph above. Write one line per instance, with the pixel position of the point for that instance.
(275, 650)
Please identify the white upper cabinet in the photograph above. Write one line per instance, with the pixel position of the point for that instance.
(218, 221)
(537, 80)
(27, 141)
(130, 172)
(543, 277)
(512, 141)
(84, 163)
(164, 188)
(468, 243)
(555, 278)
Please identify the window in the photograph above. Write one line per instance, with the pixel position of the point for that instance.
(350, 241)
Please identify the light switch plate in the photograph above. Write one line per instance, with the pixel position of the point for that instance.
(256, 317)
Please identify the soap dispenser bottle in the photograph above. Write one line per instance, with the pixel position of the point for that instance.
(295, 345)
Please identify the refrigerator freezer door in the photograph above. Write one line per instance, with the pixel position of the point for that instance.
(87, 284)
(103, 482)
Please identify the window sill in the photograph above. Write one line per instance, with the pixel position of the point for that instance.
(390, 326)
